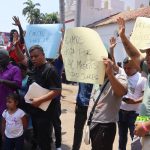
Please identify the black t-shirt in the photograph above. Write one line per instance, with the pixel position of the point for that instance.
(46, 76)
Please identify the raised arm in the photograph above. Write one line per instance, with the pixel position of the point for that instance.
(129, 47)
(111, 48)
(118, 88)
(17, 23)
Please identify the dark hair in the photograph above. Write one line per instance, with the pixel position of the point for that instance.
(36, 47)
(119, 64)
(126, 60)
(11, 34)
(14, 96)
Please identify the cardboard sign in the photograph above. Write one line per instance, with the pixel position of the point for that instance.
(83, 53)
(141, 32)
(46, 35)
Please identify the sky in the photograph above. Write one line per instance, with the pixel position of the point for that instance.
(10, 8)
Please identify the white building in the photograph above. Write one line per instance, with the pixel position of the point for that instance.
(95, 10)
(70, 11)
(134, 4)
(91, 10)
(108, 27)
(101, 16)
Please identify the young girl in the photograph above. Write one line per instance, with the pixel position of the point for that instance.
(13, 124)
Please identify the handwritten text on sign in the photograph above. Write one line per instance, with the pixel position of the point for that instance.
(141, 32)
(46, 35)
(83, 53)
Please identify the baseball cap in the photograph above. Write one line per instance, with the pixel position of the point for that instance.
(145, 48)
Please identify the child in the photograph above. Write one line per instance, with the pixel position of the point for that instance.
(13, 124)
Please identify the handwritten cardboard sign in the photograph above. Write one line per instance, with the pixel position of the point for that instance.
(141, 32)
(46, 35)
(83, 53)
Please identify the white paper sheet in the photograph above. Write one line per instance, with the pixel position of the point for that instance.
(36, 91)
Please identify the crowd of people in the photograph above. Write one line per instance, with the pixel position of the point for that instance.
(122, 100)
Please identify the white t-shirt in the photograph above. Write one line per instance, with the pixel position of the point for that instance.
(14, 126)
(136, 84)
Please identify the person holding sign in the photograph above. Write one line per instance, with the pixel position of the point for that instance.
(103, 124)
(142, 128)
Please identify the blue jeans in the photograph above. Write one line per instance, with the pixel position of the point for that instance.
(14, 143)
(126, 121)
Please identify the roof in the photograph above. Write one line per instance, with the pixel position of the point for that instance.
(127, 15)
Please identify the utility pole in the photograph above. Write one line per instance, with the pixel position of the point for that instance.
(62, 12)
(78, 13)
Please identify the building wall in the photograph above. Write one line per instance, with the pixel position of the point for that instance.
(139, 3)
(107, 31)
(70, 24)
(134, 4)
(94, 10)
(70, 9)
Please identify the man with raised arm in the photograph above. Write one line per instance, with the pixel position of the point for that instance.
(142, 128)
(129, 108)
(105, 115)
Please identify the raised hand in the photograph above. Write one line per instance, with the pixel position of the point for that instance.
(16, 21)
(121, 24)
(108, 66)
(112, 42)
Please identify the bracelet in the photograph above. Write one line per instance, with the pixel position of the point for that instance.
(144, 127)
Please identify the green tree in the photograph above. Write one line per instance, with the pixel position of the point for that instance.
(34, 16)
(32, 13)
(49, 18)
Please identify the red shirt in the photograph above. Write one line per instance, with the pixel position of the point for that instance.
(12, 51)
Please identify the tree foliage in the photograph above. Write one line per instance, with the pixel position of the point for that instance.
(34, 16)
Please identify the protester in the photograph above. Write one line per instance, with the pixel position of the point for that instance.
(45, 75)
(58, 64)
(141, 128)
(83, 97)
(129, 108)
(15, 38)
(103, 125)
(13, 124)
(10, 79)
(57, 122)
